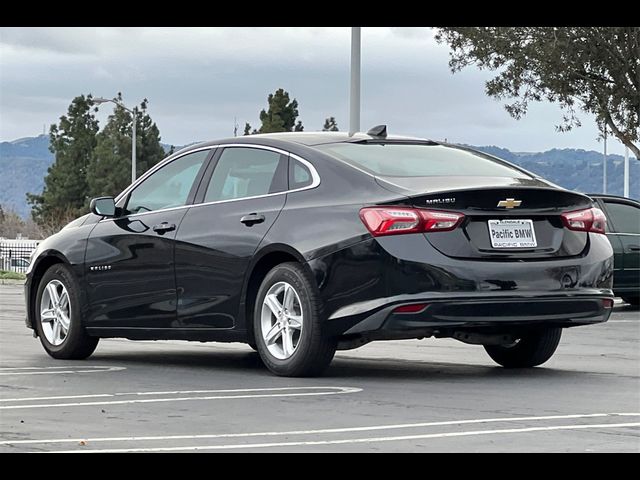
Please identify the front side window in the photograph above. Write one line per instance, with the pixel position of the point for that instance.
(168, 187)
(419, 160)
(246, 172)
(624, 217)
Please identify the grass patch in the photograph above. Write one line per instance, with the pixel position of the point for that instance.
(6, 275)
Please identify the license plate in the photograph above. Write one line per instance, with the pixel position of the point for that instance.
(512, 234)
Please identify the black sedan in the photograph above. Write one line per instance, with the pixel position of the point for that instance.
(623, 231)
(303, 243)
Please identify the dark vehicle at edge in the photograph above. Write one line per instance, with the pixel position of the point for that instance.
(623, 231)
(303, 243)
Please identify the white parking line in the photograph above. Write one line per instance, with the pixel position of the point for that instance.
(355, 440)
(320, 431)
(247, 393)
(57, 370)
(62, 397)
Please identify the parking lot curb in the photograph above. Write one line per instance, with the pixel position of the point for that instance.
(7, 281)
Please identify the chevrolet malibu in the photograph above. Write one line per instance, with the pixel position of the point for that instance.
(300, 244)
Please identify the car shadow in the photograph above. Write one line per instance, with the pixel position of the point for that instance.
(392, 370)
(196, 359)
(344, 367)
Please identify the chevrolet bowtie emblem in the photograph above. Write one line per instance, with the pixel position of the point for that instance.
(509, 203)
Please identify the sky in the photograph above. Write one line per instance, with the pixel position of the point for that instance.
(198, 80)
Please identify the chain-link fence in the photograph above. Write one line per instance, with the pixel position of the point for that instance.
(14, 254)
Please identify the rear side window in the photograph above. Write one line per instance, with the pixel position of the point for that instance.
(247, 172)
(625, 217)
(415, 160)
(299, 175)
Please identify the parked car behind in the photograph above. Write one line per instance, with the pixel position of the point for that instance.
(19, 265)
(623, 231)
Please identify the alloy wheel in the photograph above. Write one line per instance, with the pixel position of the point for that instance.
(55, 312)
(281, 320)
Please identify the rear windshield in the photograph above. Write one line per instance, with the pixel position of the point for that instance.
(415, 160)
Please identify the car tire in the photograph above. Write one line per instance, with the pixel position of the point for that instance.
(75, 343)
(632, 300)
(530, 350)
(312, 350)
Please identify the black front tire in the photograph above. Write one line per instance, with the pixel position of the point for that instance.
(632, 300)
(314, 350)
(532, 349)
(77, 345)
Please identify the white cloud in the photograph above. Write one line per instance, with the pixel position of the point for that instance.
(199, 79)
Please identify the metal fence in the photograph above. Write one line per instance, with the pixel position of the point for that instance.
(14, 254)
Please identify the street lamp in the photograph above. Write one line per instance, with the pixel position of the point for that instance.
(100, 100)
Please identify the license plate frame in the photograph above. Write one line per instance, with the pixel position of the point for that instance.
(517, 233)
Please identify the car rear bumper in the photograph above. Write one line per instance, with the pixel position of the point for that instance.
(361, 286)
(496, 313)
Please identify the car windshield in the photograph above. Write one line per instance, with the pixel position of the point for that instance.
(418, 160)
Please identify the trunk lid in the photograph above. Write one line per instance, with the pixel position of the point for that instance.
(528, 207)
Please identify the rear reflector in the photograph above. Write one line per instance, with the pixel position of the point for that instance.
(607, 303)
(413, 308)
(589, 220)
(399, 220)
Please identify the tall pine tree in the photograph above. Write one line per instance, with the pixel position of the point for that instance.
(110, 169)
(65, 187)
(281, 115)
(150, 151)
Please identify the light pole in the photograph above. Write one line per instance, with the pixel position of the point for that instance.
(354, 96)
(101, 100)
(626, 172)
(604, 163)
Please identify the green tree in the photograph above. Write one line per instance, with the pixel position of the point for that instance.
(65, 187)
(149, 150)
(596, 69)
(248, 130)
(281, 115)
(110, 169)
(330, 125)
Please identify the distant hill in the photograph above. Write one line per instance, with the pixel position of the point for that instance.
(24, 163)
(23, 166)
(575, 169)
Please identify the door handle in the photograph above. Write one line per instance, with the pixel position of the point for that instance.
(634, 248)
(252, 219)
(164, 227)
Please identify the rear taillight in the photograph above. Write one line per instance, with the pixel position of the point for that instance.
(399, 220)
(589, 220)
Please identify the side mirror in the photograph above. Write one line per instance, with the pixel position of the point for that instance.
(104, 206)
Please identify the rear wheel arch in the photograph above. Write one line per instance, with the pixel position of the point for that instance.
(260, 268)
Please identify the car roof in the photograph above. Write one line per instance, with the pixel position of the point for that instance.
(319, 138)
(309, 139)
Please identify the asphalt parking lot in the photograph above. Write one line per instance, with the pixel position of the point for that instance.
(416, 396)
